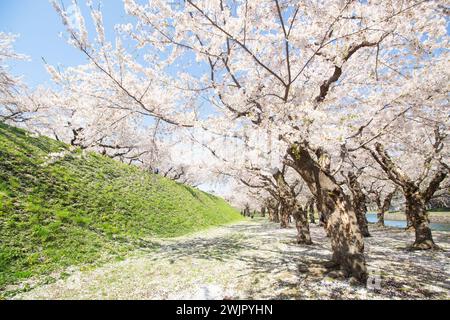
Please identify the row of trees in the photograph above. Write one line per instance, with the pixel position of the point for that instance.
(296, 102)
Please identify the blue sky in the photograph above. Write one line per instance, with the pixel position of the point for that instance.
(39, 26)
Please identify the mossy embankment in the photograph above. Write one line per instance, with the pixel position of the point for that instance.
(61, 207)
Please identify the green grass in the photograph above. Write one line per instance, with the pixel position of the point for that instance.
(86, 208)
(441, 210)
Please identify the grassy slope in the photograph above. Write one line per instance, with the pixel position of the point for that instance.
(85, 208)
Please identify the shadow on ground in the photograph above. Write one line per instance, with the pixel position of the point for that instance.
(258, 260)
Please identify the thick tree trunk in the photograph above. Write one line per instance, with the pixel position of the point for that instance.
(322, 214)
(409, 219)
(273, 215)
(276, 215)
(383, 206)
(386, 205)
(290, 205)
(362, 221)
(247, 210)
(346, 239)
(380, 209)
(380, 218)
(263, 212)
(359, 203)
(322, 220)
(270, 213)
(272, 210)
(415, 207)
(322, 217)
(312, 219)
(301, 223)
(416, 199)
(310, 208)
(284, 217)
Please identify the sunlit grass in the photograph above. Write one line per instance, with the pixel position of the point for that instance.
(85, 208)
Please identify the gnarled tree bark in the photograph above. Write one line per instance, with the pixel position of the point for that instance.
(290, 205)
(346, 239)
(285, 213)
(359, 203)
(263, 211)
(383, 205)
(416, 210)
(301, 223)
(409, 213)
(310, 207)
(416, 199)
(272, 210)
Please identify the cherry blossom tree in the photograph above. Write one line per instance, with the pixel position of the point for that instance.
(359, 200)
(412, 148)
(291, 203)
(312, 74)
(16, 103)
(381, 193)
(418, 168)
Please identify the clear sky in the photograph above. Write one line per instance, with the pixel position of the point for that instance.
(39, 28)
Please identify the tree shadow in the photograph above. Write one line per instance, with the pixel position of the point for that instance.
(266, 249)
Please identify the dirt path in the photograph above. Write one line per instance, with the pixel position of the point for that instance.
(258, 260)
